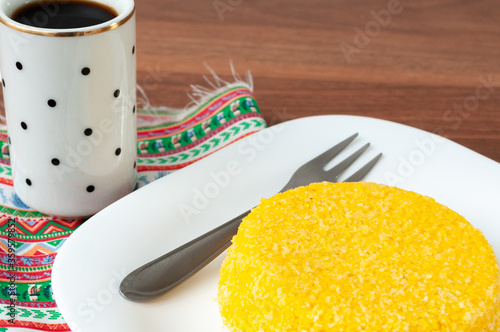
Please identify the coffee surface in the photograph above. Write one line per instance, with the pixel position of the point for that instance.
(63, 14)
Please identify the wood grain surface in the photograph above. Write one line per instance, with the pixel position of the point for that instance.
(431, 64)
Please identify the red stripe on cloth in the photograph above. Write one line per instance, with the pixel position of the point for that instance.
(35, 326)
(8, 182)
(51, 304)
(164, 167)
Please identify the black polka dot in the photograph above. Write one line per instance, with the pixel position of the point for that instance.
(133, 49)
(135, 164)
(51, 103)
(90, 189)
(133, 109)
(28, 182)
(3, 82)
(55, 162)
(24, 125)
(118, 151)
(19, 65)
(86, 71)
(88, 132)
(116, 93)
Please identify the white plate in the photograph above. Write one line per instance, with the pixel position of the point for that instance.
(183, 205)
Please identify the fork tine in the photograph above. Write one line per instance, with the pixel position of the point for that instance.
(335, 172)
(328, 155)
(363, 171)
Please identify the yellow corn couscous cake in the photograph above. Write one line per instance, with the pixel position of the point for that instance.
(358, 257)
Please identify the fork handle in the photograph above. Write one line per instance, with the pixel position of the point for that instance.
(169, 270)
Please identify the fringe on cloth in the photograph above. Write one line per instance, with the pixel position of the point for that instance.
(199, 95)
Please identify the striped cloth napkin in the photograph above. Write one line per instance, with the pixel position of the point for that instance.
(167, 141)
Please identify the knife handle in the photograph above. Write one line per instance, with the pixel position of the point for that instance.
(164, 273)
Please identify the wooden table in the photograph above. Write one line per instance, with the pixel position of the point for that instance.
(431, 64)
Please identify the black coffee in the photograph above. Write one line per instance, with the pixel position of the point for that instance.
(63, 14)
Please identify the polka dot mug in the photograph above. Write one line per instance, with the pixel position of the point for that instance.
(69, 96)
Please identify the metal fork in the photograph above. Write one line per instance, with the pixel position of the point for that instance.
(164, 273)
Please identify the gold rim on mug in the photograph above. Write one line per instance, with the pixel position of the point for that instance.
(47, 32)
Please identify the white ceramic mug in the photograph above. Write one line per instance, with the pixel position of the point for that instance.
(70, 106)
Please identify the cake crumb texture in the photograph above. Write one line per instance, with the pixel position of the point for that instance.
(358, 257)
